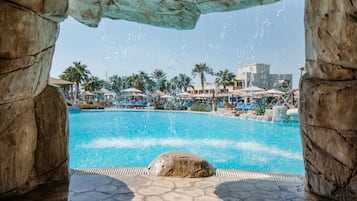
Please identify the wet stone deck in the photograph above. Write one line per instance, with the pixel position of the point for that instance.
(125, 184)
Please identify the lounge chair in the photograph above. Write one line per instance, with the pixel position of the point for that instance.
(131, 104)
(145, 104)
(141, 104)
(123, 104)
(247, 106)
(240, 106)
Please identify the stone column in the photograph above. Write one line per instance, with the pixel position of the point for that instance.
(328, 99)
(27, 104)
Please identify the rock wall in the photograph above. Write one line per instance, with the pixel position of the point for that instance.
(328, 99)
(33, 135)
(33, 149)
(177, 14)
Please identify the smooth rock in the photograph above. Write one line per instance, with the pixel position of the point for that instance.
(181, 164)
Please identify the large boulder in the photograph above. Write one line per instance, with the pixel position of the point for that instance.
(51, 155)
(181, 164)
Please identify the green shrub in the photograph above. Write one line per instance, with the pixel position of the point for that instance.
(84, 105)
(199, 108)
(260, 109)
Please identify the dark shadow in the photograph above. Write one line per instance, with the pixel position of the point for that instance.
(95, 186)
(83, 185)
(50, 192)
(256, 189)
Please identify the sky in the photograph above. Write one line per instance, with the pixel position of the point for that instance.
(271, 34)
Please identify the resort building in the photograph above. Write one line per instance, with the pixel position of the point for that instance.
(259, 75)
(209, 88)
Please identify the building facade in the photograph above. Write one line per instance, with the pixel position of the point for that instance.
(259, 75)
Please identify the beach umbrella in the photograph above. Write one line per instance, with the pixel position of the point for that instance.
(166, 96)
(223, 95)
(200, 96)
(102, 91)
(184, 95)
(251, 89)
(134, 95)
(270, 93)
(87, 93)
(131, 90)
(157, 93)
(238, 92)
(274, 92)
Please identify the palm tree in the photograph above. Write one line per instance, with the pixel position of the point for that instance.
(131, 80)
(175, 84)
(200, 70)
(77, 73)
(159, 77)
(185, 82)
(142, 82)
(117, 83)
(182, 82)
(224, 78)
(93, 84)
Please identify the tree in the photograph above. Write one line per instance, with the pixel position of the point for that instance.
(185, 82)
(159, 77)
(93, 84)
(181, 82)
(224, 78)
(143, 81)
(117, 83)
(200, 70)
(77, 73)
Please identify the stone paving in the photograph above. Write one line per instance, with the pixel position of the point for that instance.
(109, 185)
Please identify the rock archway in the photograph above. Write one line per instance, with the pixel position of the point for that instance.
(34, 137)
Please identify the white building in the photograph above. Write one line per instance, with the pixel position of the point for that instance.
(259, 75)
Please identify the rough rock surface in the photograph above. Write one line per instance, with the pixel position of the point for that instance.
(181, 164)
(178, 14)
(17, 145)
(34, 136)
(328, 99)
(33, 143)
(51, 156)
(329, 135)
(24, 57)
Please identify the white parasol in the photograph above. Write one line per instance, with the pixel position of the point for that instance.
(131, 90)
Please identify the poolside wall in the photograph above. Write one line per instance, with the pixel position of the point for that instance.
(328, 99)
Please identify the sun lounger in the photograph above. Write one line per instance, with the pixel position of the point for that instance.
(131, 104)
(248, 106)
(240, 106)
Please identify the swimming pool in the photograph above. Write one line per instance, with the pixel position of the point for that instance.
(135, 138)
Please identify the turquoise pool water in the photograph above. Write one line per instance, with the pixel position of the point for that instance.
(135, 138)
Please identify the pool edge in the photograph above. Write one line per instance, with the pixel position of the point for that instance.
(231, 173)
